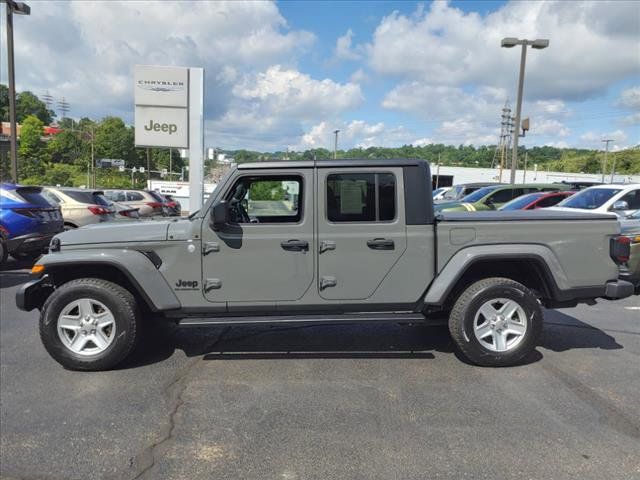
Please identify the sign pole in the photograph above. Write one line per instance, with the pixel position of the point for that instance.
(196, 137)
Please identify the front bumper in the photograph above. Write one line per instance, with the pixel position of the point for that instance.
(618, 289)
(30, 243)
(33, 294)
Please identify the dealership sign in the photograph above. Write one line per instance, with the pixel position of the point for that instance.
(162, 106)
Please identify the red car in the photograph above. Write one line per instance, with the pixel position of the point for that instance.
(535, 200)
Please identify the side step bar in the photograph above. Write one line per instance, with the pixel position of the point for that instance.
(327, 318)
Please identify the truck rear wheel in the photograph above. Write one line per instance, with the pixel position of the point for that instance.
(89, 324)
(496, 322)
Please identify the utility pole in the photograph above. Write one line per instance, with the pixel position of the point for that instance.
(148, 169)
(538, 44)
(18, 8)
(335, 145)
(604, 162)
(524, 176)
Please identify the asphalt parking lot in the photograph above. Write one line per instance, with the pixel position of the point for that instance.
(383, 401)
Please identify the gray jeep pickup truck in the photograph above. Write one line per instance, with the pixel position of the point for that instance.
(323, 241)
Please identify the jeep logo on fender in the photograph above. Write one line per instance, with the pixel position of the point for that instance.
(161, 127)
(186, 284)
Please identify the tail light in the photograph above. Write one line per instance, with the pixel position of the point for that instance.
(620, 249)
(155, 204)
(97, 210)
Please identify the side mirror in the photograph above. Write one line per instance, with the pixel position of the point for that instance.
(220, 215)
(620, 205)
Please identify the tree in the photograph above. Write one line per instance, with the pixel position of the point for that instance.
(113, 139)
(4, 103)
(32, 152)
(29, 104)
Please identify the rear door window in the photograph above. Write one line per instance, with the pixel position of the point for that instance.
(361, 197)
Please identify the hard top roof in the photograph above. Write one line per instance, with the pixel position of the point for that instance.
(341, 162)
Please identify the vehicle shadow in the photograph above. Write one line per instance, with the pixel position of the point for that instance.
(563, 332)
(381, 340)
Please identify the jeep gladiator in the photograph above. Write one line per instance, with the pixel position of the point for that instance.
(323, 241)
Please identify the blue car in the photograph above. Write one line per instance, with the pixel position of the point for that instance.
(27, 221)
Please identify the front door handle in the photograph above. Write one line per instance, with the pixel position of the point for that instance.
(381, 244)
(210, 247)
(295, 245)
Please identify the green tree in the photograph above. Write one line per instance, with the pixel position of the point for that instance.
(32, 152)
(113, 139)
(4, 103)
(29, 104)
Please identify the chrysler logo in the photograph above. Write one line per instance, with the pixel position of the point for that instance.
(161, 85)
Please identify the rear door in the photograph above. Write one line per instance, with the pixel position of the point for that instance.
(361, 230)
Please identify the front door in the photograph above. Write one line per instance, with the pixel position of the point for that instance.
(361, 230)
(266, 253)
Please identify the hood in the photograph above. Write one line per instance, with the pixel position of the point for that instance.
(117, 232)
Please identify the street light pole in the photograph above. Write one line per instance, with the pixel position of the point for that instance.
(509, 43)
(604, 163)
(335, 145)
(19, 8)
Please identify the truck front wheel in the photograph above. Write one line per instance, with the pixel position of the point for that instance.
(496, 322)
(89, 324)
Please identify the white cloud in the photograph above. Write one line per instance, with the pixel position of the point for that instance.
(289, 93)
(357, 133)
(359, 76)
(85, 51)
(595, 140)
(344, 50)
(630, 98)
(593, 44)
(271, 109)
(550, 127)
(421, 142)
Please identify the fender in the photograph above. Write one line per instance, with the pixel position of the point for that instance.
(135, 265)
(465, 258)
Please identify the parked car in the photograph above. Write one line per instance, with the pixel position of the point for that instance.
(173, 206)
(125, 211)
(531, 201)
(493, 197)
(148, 202)
(630, 229)
(621, 199)
(80, 206)
(28, 221)
(355, 243)
(457, 192)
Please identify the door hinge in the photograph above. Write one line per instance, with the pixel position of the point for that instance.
(212, 284)
(210, 247)
(326, 282)
(327, 245)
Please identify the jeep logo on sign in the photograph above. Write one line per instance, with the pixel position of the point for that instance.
(161, 127)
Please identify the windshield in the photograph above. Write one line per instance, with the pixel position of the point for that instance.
(521, 202)
(453, 193)
(589, 199)
(478, 194)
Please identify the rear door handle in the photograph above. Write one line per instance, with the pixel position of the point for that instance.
(381, 244)
(295, 245)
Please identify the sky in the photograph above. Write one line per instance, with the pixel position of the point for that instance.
(287, 74)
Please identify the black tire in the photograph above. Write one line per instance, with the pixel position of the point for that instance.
(461, 321)
(27, 256)
(125, 312)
